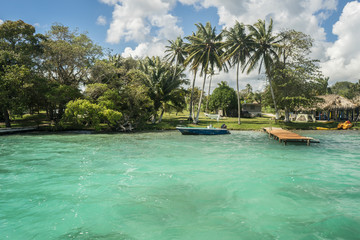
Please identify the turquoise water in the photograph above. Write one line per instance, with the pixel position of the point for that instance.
(168, 186)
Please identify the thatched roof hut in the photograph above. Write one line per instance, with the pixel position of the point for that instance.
(334, 102)
(356, 101)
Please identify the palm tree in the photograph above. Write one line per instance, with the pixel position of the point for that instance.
(265, 51)
(176, 53)
(205, 51)
(238, 47)
(161, 81)
(211, 72)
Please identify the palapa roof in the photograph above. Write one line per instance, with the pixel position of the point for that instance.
(334, 102)
(356, 101)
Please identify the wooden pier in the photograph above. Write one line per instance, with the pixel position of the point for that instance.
(6, 131)
(287, 136)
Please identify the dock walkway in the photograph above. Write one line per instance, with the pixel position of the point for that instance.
(287, 136)
(5, 131)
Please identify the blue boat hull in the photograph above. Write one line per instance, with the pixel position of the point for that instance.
(202, 131)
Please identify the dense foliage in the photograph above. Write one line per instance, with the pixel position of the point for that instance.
(66, 75)
(224, 98)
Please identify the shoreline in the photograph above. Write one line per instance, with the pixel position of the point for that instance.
(36, 130)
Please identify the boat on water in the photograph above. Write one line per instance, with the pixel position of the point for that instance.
(202, 131)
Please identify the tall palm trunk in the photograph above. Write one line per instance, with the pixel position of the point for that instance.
(237, 91)
(161, 115)
(200, 100)
(176, 62)
(191, 97)
(207, 100)
(273, 96)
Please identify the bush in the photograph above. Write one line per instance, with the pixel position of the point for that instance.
(84, 113)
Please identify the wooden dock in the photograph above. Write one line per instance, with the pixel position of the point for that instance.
(5, 131)
(287, 136)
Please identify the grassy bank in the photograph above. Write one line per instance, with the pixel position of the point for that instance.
(170, 121)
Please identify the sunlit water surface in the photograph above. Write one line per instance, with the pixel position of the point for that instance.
(168, 186)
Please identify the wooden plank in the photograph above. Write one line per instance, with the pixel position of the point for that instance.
(285, 136)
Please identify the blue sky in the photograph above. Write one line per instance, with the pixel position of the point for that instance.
(142, 27)
(83, 14)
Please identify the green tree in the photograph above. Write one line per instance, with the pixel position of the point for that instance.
(211, 73)
(20, 49)
(131, 100)
(69, 56)
(205, 51)
(345, 89)
(266, 48)
(83, 113)
(297, 79)
(95, 90)
(119, 86)
(57, 96)
(113, 71)
(12, 83)
(193, 98)
(238, 47)
(161, 82)
(224, 98)
(68, 60)
(176, 53)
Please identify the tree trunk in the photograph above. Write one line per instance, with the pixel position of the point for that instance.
(7, 118)
(161, 115)
(238, 93)
(153, 121)
(191, 98)
(207, 100)
(176, 61)
(287, 115)
(200, 100)
(60, 113)
(273, 97)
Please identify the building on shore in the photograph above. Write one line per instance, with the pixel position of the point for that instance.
(253, 108)
(335, 107)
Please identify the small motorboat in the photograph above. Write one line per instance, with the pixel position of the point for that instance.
(202, 131)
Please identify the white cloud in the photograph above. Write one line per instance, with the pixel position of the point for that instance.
(1, 21)
(101, 20)
(302, 15)
(155, 48)
(109, 2)
(148, 23)
(151, 23)
(133, 19)
(344, 55)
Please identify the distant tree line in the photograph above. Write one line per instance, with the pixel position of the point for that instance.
(63, 73)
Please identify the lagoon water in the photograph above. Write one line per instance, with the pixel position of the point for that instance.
(168, 186)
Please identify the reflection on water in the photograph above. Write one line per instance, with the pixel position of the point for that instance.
(168, 186)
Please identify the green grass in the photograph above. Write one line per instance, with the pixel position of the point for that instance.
(28, 120)
(170, 121)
